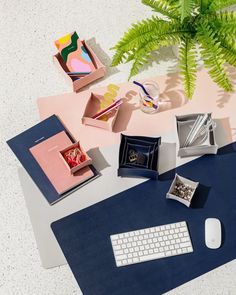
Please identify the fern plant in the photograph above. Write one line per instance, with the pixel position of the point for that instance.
(186, 23)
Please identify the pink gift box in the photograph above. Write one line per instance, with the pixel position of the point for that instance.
(92, 108)
(85, 163)
(87, 79)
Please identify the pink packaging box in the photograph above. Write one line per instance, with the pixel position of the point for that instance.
(86, 162)
(92, 108)
(100, 70)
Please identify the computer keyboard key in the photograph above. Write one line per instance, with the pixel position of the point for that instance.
(186, 244)
(119, 252)
(121, 257)
(152, 256)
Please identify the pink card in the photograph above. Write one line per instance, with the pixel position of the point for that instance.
(74, 54)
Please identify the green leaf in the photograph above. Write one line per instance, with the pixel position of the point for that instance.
(141, 56)
(187, 62)
(224, 26)
(203, 5)
(165, 7)
(229, 50)
(213, 56)
(186, 8)
(138, 34)
(220, 4)
(223, 23)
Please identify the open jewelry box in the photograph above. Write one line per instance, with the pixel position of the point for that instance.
(138, 156)
(76, 154)
(99, 72)
(204, 144)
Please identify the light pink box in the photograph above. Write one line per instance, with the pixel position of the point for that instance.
(92, 108)
(87, 162)
(87, 79)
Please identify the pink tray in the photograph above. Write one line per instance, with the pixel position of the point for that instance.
(78, 84)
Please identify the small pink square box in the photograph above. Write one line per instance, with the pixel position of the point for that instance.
(87, 162)
(92, 108)
(87, 79)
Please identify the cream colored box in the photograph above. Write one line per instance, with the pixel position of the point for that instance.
(185, 181)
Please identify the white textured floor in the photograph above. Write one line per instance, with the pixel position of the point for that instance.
(28, 29)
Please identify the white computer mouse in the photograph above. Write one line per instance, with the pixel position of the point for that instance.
(213, 233)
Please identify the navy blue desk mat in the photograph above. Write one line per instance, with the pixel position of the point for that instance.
(85, 236)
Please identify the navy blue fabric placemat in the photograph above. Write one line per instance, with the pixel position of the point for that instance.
(85, 236)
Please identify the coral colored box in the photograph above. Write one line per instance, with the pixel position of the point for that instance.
(87, 162)
(92, 108)
(100, 70)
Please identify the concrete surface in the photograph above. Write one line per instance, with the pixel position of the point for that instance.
(28, 29)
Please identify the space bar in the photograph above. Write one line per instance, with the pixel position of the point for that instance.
(152, 256)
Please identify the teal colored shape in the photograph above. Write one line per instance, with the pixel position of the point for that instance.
(85, 55)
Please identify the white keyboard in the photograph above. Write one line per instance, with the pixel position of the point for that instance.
(151, 243)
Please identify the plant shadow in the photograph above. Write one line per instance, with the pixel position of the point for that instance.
(164, 54)
(223, 134)
(225, 97)
(172, 96)
(125, 112)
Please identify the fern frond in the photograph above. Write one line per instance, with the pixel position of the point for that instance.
(186, 8)
(220, 4)
(142, 55)
(213, 56)
(139, 33)
(188, 65)
(224, 23)
(229, 50)
(165, 7)
(203, 5)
